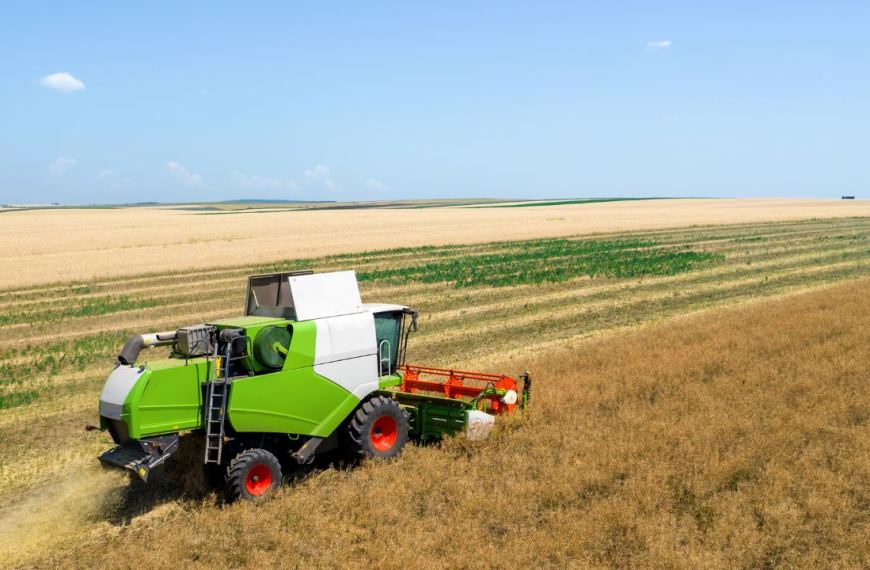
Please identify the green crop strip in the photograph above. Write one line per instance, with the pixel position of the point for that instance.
(550, 261)
(567, 202)
(14, 399)
(90, 308)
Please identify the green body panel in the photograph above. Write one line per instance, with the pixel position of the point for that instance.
(295, 400)
(433, 417)
(166, 398)
(389, 381)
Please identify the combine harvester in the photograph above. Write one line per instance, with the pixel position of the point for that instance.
(308, 369)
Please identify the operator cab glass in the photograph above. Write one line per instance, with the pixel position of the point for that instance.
(269, 295)
(391, 335)
(388, 330)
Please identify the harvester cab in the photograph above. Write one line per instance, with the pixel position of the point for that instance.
(308, 369)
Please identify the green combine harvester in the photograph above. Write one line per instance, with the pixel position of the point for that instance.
(308, 369)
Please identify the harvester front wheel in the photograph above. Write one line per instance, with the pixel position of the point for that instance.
(252, 475)
(379, 428)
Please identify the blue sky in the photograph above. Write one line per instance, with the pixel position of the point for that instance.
(123, 101)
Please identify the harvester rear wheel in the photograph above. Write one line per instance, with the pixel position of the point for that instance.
(379, 428)
(252, 475)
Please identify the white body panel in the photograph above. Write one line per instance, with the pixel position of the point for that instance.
(382, 307)
(340, 338)
(352, 335)
(346, 353)
(324, 295)
(117, 387)
(323, 348)
(356, 375)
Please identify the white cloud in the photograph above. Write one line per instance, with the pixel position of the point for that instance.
(373, 184)
(63, 81)
(106, 173)
(264, 182)
(320, 175)
(659, 44)
(61, 165)
(187, 177)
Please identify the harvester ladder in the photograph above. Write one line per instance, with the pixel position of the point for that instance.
(215, 412)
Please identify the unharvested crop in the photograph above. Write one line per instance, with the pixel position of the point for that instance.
(735, 439)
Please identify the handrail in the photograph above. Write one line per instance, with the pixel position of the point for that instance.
(386, 359)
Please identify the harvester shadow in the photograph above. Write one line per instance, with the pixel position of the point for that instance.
(184, 479)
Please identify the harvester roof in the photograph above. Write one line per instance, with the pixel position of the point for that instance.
(303, 296)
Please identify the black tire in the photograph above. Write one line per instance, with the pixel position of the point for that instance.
(253, 475)
(378, 428)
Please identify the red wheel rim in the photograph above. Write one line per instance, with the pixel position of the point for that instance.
(385, 432)
(258, 480)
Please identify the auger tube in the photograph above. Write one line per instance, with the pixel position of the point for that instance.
(135, 344)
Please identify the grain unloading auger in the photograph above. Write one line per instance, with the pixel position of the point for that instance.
(308, 369)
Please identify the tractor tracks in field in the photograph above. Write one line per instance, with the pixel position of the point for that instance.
(174, 281)
(219, 296)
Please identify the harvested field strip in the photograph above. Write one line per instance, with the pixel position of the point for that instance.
(175, 287)
(550, 262)
(721, 233)
(479, 302)
(537, 320)
(52, 365)
(732, 439)
(483, 299)
(823, 253)
(16, 313)
(609, 290)
(231, 282)
(510, 330)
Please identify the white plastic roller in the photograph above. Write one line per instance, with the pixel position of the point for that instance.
(478, 425)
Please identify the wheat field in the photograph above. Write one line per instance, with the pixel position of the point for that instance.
(737, 438)
(667, 425)
(45, 246)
